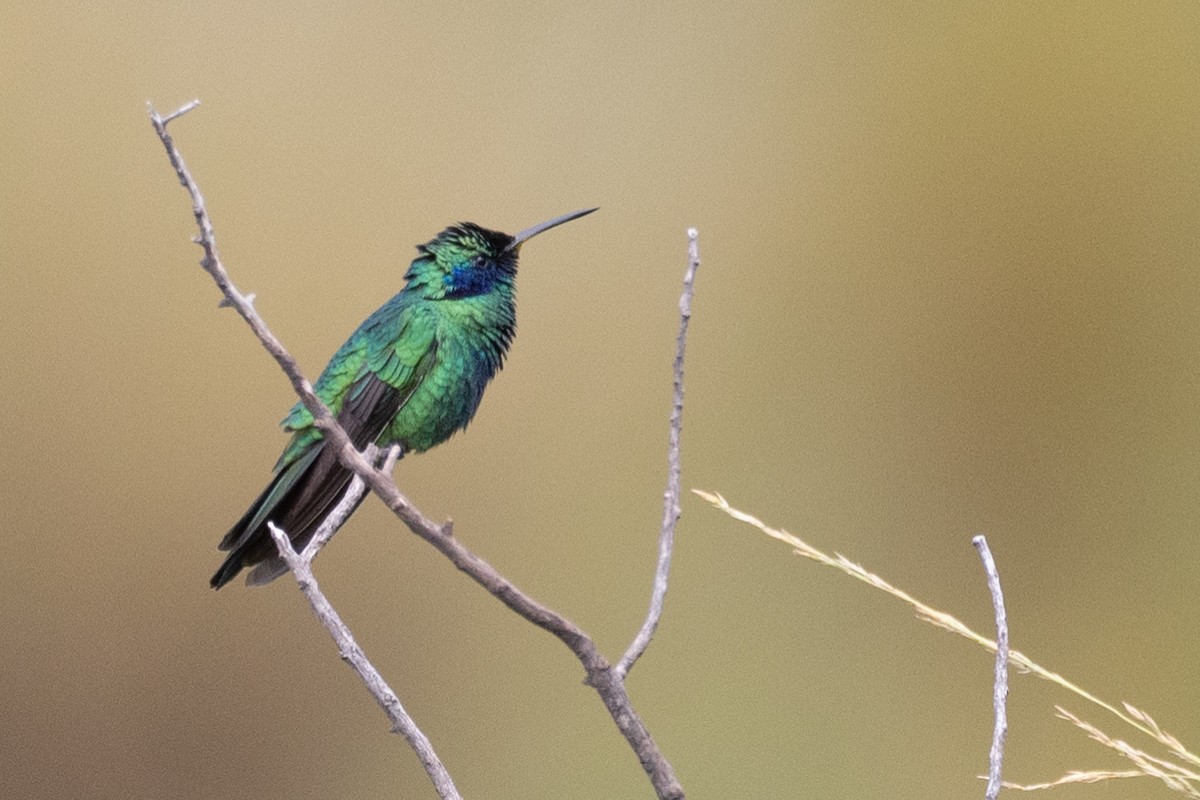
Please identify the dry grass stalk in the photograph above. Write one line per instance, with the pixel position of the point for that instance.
(1173, 775)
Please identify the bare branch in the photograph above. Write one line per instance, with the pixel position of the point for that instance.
(666, 536)
(352, 654)
(1000, 689)
(207, 239)
(599, 673)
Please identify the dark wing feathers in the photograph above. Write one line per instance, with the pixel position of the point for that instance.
(305, 491)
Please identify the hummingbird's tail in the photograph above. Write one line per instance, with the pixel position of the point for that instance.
(297, 500)
(304, 491)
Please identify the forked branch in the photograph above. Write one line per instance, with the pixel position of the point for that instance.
(602, 676)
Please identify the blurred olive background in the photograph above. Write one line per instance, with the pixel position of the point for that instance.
(949, 287)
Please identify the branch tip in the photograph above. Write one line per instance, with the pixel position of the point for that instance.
(177, 113)
(671, 511)
(1000, 685)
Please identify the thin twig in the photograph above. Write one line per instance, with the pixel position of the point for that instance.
(272, 567)
(1000, 689)
(599, 673)
(666, 535)
(335, 520)
(301, 567)
(207, 239)
(179, 112)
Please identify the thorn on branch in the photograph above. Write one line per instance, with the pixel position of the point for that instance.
(225, 302)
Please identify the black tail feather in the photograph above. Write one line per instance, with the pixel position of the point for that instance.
(304, 492)
(299, 512)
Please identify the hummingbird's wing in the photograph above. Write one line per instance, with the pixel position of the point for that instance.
(322, 478)
(365, 385)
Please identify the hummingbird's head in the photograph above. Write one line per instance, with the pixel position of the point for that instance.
(462, 261)
(466, 260)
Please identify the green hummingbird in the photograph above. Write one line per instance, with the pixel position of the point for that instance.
(412, 374)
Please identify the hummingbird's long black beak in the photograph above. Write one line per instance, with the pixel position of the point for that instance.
(529, 233)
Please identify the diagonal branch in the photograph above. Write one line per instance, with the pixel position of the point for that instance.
(243, 304)
(666, 536)
(599, 673)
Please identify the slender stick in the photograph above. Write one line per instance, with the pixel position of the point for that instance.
(344, 509)
(243, 304)
(272, 567)
(1000, 689)
(599, 673)
(666, 535)
(301, 566)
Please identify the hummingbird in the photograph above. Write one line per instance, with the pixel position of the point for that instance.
(412, 375)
